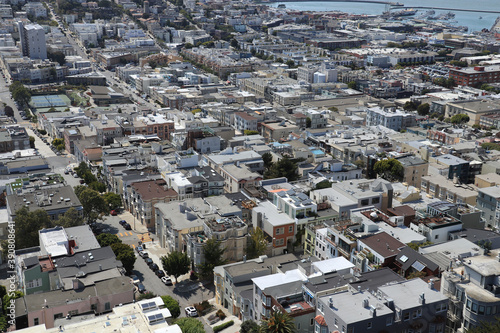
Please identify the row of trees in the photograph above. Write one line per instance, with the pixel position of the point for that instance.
(285, 167)
(20, 93)
(123, 252)
(278, 322)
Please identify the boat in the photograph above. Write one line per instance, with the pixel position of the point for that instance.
(281, 5)
(480, 17)
(404, 12)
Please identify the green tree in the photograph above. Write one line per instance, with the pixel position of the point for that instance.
(93, 205)
(487, 327)
(278, 322)
(20, 93)
(125, 254)
(32, 141)
(249, 326)
(409, 106)
(234, 44)
(78, 189)
(257, 244)
(268, 159)
(10, 296)
(188, 46)
(308, 122)
(70, 219)
(283, 168)
(352, 85)
(389, 169)
(176, 264)
(113, 200)
(458, 63)
(360, 163)
(27, 226)
(190, 325)
(98, 186)
(323, 184)
(57, 142)
(460, 118)
(290, 63)
(423, 109)
(214, 256)
(172, 305)
(250, 132)
(9, 111)
(108, 239)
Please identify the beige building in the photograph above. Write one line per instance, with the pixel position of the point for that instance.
(474, 109)
(487, 180)
(238, 177)
(444, 189)
(278, 131)
(414, 168)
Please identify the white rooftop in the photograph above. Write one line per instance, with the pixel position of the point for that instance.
(278, 279)
(55, 241)
(332, 265)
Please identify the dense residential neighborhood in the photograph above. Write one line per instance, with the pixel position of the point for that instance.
(174, 166)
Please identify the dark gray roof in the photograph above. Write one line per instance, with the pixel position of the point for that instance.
(478, 236)
(31, 261)
(374, 279)
(407, 257)
(331, 281)
(82, 258)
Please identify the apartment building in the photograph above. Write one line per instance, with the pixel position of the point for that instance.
(488, 201)
(414, 169)
(239, 177)
(445, 189)
(395, 120)
(475, 76)
(245, 122)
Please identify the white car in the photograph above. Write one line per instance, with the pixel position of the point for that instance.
(166, 280)
(191, 311)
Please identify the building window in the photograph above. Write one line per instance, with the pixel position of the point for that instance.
(406, 316)
(107, 306)
(369, 325)
(290, 228)
(312, 321)
(388, 321)
(35, 321)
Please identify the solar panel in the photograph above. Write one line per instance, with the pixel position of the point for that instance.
(418, 266)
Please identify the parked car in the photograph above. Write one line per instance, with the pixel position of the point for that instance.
(139, 249)
(127, 226)
(122, 222)
(83, 182)
(135, 279)
(166, 280)
(144, 254)
(113, 213)
(191, 311)
(142, 289)
(159, 273)
(154, 267)
(148, 261)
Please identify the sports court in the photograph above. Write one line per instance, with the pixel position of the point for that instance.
(49, 101)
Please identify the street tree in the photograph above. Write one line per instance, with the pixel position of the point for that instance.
(98, 186)
(27, 226)
(176, 264)
(70, 219)
(268, 159)
(125, 254)
(389, 169)
(32, 141)
(214, 256)
(487, 327)
(257, 244)
(308, 122)
(9, 111)
(278, 322)
(108, 239)
(113, 200)
(93, 205)
(172, 305)
(249, 326)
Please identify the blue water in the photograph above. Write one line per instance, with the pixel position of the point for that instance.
(469, 19)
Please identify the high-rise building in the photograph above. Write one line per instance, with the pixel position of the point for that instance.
(32, 38)
(146, 7)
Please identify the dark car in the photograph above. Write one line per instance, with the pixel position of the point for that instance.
(154, 267)
(141, 288)
(127, 226)
(148, 261)
(159, 273)
(122, 222)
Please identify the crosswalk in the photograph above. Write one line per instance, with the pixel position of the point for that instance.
(125, 234)
(144, 238)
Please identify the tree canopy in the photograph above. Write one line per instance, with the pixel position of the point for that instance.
(113, 200)
(172, 305)
(283, 168)
(125, 254)
(423, 109)
(389, 169)
(108, 239)
(460, 118)
(176, 264)
(70, 219)
(27, 226)
(93, 204)
(190, 325)
(20, 93)
(278, 322)
(214, 256)
(257, 244)
(487, 327)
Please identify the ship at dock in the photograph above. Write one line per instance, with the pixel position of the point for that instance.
(404, 12)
